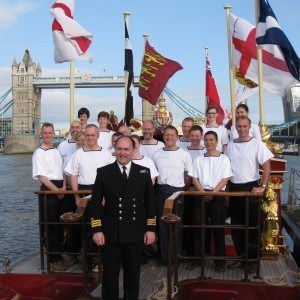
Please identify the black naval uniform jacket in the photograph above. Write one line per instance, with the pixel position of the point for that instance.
(129, 210)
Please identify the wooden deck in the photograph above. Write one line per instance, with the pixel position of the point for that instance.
(148, 279)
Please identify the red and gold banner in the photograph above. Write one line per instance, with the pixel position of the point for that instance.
(155, 73)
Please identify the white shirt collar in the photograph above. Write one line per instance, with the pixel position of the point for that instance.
(128, 167)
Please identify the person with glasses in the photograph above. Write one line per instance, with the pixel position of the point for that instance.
(149, 145)
(212, 125)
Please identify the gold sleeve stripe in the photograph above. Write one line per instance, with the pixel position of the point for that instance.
(95, 223)
(150, 222)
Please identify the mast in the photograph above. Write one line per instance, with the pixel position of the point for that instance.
(260, 75)
(231, 75)
(145, 105)
(72, 88)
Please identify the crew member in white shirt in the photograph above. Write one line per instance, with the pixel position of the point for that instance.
(47, 168)
(149, 144)
(220, 130)
(243, 110)
(66, 149)
(246, 154)
(104, 139)
(195, 149)
(172, 163)
(82, 168)
(211, 172)
(184, 140)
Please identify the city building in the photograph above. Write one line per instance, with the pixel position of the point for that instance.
(291, 103)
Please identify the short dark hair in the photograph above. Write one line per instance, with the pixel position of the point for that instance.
(243, 118)
(212, 133)
(211, 107)
(48, 125)
(83, 111)
(188, 119)
(126, 137)
(137, 137)
(103, 114)
(172, 128)
(118, 134)
(91, 126)
(195, 128)
(244, 106)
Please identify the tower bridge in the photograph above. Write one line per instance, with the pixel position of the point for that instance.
(84, 81)
(26, 91)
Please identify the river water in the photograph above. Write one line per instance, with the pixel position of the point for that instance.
(19, 207)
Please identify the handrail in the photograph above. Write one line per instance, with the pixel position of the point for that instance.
(61, 192)
(173, 222)
(168, 208)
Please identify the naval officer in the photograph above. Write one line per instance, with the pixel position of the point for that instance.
(125, 221)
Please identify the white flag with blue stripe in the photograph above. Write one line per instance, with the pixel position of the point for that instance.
(268, 31)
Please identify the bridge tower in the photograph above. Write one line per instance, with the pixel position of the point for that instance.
(26, 112)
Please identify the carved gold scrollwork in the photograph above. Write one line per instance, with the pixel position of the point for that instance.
(270, 232)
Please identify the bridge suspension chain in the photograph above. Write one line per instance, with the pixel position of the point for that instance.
(183, 105)
(5, 108)
(284, 125)
(3, 97)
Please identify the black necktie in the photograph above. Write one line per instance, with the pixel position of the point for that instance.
(124, 173)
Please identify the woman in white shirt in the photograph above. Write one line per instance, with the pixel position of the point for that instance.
(243, 110)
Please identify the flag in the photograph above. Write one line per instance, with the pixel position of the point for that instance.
(269, 32)
(155, 73)
(71, 41)
(128, 68)
(276, 75)
(212, 96)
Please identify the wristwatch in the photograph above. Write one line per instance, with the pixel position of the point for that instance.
(263, 185)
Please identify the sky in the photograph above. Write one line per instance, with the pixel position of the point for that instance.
(179, 30)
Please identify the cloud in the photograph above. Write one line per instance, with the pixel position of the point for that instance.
(9, 13)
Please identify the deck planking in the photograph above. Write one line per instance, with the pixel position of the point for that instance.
(149, 278)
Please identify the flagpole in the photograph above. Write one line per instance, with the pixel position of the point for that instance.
(126, 18)
(260, 75)
(231, 75)
(206, 56)
(145, 112)
(72, 87)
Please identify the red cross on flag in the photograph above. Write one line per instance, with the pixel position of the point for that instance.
(71, 41)
(276, 75)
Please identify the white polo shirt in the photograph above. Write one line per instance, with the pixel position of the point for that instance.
(84, 164)
(245, 158)
(47, 163)
(210, 170)
(171, 165)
